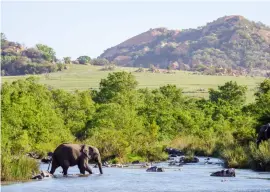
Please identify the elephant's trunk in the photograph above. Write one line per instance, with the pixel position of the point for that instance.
(100, 165)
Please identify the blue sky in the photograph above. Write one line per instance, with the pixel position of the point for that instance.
(89, 28)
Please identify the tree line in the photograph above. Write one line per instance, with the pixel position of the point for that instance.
(17, 59)
(127, 123)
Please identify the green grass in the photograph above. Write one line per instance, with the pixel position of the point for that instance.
(18, 169)
(83, 77)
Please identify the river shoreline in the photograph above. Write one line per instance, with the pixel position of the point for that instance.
(133, 166)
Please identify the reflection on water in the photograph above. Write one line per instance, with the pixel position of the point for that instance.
(192, 177)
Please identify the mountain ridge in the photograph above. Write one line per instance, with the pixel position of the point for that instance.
(229, 41)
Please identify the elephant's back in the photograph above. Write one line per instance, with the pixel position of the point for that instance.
(68, 152)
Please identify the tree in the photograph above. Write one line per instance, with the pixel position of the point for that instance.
(230, 92)
(33, 53)
(261, 108)
(84, 60)
(67, 60)
(118, 82)
(48, 52)
(100, 62)
(3, 36)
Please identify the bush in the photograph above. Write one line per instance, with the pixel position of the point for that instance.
(195, 144)
(18, 168)
(260, 157)
(235, 157)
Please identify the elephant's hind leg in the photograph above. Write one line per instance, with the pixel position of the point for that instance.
(65, 167)
(54, 166)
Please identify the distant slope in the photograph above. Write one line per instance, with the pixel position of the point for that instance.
(228, 42)
(19, 60)
(83, 77)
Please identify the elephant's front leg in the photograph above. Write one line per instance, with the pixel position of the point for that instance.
(83, 166)
(88, 169)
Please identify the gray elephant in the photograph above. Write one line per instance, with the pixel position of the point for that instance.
(67, 155)
(264, 133)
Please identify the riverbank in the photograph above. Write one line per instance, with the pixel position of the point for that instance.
(191, 177)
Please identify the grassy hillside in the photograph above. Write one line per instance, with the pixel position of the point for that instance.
(230, 42)
(82, 77)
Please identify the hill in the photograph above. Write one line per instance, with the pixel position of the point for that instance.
(83, 77)
(17, 59)
(228, 43)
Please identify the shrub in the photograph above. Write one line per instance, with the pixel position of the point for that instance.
(18, 168)
(260, 157)
(235, 157)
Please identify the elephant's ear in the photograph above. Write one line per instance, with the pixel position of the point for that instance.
(85, 151)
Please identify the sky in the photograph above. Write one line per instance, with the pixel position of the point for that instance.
(89, 28)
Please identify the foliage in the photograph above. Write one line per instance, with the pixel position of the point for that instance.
(230, 92)
(17, 168)
(67, 60)
(235, 157)
(100, 62)
(84, 60)
(260, 157)
(18, 60)
(127, 123)
(47, 52)
(119, 82)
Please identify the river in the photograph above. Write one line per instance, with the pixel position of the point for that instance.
(190, 177)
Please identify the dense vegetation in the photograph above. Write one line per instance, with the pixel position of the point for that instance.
(230, 42)
(128, 124)
(17, 59)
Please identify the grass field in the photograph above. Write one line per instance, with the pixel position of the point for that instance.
(83, 77)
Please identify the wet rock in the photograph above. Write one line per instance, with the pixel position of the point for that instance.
(173, 151)
(224, 173)
(33, 155)
(42, 175)
(136, 162)
(46, 159)
(189, 160)
(155, 169)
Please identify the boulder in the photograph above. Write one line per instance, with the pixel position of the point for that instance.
(42, 175)
(224, 173)
(173, 151)
(136, 162)
(189, 160)
(46, 159)
(155, 169)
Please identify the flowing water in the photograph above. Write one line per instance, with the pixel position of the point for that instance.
(191, 177)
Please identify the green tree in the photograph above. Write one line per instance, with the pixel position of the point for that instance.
(115, 83)
(67, 60)
(47, 52)
(100, 62)
(29, 118)
(84, 60)
(230, 92)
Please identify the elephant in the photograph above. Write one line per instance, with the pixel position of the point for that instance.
(66, 155)
(264, 134)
